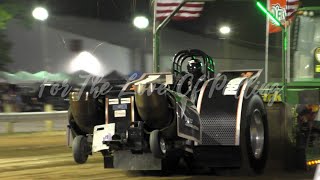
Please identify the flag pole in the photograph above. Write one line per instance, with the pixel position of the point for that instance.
(156, 39)
(284, 61)
(266, 65)
(156, 32)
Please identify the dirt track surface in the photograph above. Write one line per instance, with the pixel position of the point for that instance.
(45, 156)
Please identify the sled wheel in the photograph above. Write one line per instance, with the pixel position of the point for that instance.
(157, 144)
(253, 136)
(80, 149)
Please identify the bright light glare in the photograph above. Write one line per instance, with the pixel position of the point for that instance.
(141, 22)
(87, 62)
(40, 13)
(225, 30)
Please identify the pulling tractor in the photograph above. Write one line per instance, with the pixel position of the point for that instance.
(208, 120)
(152, 123)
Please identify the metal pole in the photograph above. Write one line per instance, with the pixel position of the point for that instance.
(284, 63)
(156, 34)
(288, 35)
(266, 69)
(44, 46)
(155, 40)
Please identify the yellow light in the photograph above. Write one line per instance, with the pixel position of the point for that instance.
(313, 162)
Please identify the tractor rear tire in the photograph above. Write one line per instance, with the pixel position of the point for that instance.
(253, 136)
(80, 149)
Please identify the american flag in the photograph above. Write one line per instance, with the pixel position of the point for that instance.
(190, 10)
(292, 7)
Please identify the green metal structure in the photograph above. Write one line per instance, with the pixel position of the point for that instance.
(299, 116)
(303, 86)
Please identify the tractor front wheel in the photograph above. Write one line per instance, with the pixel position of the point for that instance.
(80, 149)
(158, 145)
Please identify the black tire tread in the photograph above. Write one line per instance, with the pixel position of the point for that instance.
(250, 165)
(79, 149)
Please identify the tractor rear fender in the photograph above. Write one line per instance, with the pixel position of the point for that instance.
(220, 106)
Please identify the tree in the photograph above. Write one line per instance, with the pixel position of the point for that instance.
(10, 9)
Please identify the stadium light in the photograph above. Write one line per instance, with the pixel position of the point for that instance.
(40, 13)
(225, 30)
(141, 22)
(263, 9)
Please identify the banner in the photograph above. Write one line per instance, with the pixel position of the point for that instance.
(283, 10)
(278, 9)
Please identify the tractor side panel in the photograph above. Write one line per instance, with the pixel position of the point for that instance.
(188, 122)
(188, 119)
(220, 105)
(218, 116)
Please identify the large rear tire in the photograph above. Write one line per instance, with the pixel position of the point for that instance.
(253, 136)
(80, 149)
